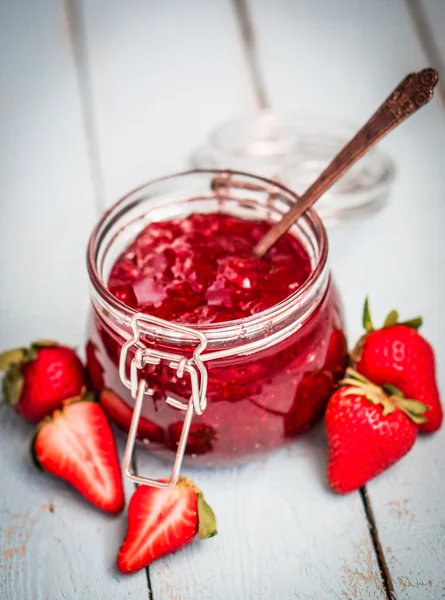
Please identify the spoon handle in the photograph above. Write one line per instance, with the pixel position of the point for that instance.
(412, 93)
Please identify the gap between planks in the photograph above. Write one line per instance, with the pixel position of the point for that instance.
(380, 555)
(75, 19)
(248, 38)
(147, 569)
(76, 27)
(425, 34)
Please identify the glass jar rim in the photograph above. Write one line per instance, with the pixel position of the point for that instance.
(224, 329)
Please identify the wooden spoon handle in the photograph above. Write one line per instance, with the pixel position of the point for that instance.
(412, 92)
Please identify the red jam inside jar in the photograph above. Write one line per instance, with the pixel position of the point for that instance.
(198, 270)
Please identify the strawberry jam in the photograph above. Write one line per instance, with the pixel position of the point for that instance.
(199, 270)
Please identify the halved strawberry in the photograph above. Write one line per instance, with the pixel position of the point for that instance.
(38, 379)
(120, 413)
(161, 521)
(77, 444)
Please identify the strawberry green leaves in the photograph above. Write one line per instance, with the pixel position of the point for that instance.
(415, 323)
(13, 383)
(388, 396)
(206, 519)
(10, 357)
(366, 319)
(391, 320)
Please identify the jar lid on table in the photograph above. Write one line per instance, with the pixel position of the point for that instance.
(295, 150)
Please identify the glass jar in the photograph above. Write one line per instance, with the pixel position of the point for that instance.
(268, 376)
(295, 149)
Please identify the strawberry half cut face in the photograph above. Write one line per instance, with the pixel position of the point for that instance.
(77, 444)
(161, 521)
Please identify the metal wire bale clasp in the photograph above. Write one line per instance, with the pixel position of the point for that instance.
(138, 387)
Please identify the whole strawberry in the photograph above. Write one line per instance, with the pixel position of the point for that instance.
(161, 521)
(368, 430)
(39, 378)
(398, 355)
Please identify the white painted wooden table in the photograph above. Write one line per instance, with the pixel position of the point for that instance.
(97, 96)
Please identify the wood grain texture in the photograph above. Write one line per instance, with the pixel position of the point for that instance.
(53, 545)
(343, 66)
(163, 74)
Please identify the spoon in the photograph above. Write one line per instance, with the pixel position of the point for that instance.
(411, 94)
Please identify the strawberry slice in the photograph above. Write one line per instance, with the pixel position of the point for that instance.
(94, 368)
(77, 444)
(161, 521)
(309, 402)
(200, 438)
(120, 413)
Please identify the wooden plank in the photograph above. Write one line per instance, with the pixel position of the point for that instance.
(280, 533)
(276, 540)
(346, 58)
(53, 545)
(163, 75)
(47, 205)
